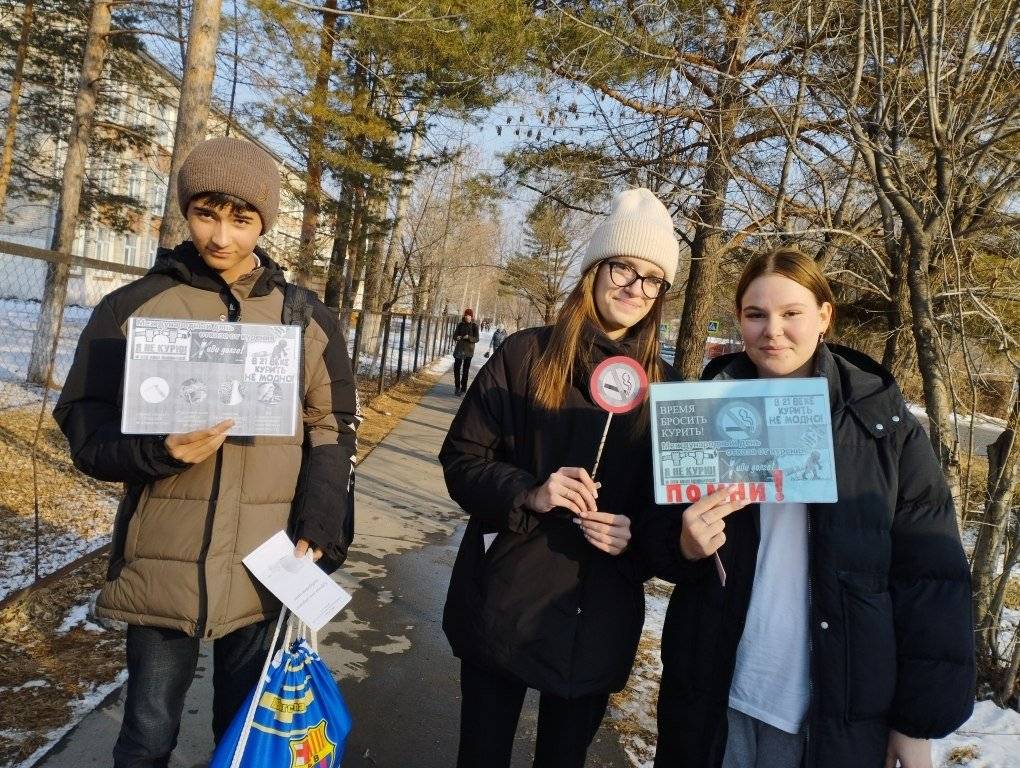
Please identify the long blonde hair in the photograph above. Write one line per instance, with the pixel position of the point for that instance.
(566, 355)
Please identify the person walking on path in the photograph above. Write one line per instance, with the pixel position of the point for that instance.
(466, 336)
(498, 337)
(545, 591)
(843, 636)
(195, 504)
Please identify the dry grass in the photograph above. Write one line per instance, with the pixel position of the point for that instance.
(962, 755)
(65, 667)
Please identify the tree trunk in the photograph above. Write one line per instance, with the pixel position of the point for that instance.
(899, 355)
(374, 220)
(354, 250)
(707, 244)
(51, 311)
(938, 403)
(403, 199)
(7, 159)
(341, 241)
(706, 253)
(193, 109)
(316, 137)
(1003, 475)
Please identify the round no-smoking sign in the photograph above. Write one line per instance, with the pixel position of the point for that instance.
(619, 384)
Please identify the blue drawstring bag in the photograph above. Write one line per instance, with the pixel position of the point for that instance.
(300, 721)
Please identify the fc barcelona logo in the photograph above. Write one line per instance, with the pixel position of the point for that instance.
(313, 750)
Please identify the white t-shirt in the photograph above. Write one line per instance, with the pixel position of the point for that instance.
(771, 679)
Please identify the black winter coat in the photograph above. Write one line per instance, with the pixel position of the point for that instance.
(890, 619)
(466, 335)
(542, 604)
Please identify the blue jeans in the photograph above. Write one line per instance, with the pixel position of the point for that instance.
(161, 665)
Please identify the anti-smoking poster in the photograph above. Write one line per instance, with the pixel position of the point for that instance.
(183, 375)
(770, 440)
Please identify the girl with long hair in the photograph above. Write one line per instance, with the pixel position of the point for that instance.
(843, 636)
(546, 592)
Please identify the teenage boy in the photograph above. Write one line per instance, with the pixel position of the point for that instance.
(195, 504)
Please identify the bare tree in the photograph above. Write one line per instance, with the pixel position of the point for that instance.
(927, 107)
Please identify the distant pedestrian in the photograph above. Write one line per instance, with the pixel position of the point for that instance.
(498, 337)
(466, 336)
(546, 592)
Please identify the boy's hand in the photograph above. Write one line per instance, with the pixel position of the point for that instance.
(195, 447)
(302, 548)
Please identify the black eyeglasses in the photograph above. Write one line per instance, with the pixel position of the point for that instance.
(624, 275)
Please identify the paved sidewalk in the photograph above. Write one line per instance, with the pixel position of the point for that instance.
(387, 648)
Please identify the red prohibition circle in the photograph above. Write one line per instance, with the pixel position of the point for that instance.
(625, 401)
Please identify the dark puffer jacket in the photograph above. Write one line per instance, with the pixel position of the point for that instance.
(182, 530)
(542, 603)
(890, 619)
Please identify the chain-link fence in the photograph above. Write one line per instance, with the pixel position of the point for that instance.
(51, 515)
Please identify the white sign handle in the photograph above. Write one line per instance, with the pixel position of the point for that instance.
(602, 444)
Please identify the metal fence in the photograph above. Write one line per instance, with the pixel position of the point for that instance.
(388, 346)
(50, 516)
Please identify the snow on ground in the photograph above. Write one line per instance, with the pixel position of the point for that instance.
(80, 708)
(56, 551)
(962, 418)
(989, 739)
(18, 321)
(78, 616)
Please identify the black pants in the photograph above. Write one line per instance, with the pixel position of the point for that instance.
(161, 665)
(491, 706)
(461, 367)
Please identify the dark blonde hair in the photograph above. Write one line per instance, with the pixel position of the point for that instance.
(565, 354)
(791, 263)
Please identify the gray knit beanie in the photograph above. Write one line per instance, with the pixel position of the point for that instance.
(638, 226)
(234, 167)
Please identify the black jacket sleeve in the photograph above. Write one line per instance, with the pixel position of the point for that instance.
(89, 410)
(323, 512)
(477, 455)
(929, 582)
(656, 538)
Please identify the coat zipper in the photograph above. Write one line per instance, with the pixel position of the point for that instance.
(808, 760)
(233, 315)
(203, 586)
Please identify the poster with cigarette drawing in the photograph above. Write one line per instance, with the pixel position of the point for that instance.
(770, 440)
(183, 375)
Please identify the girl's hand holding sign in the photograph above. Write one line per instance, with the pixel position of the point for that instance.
(568, 487)
(704, 524)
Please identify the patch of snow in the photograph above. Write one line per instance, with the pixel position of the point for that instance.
(25, 686)
(58, 550)
(79, 615)
(19, 320)
(79, 708)
(991, 735)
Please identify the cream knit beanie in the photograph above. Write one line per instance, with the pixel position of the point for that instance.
(638, 226)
